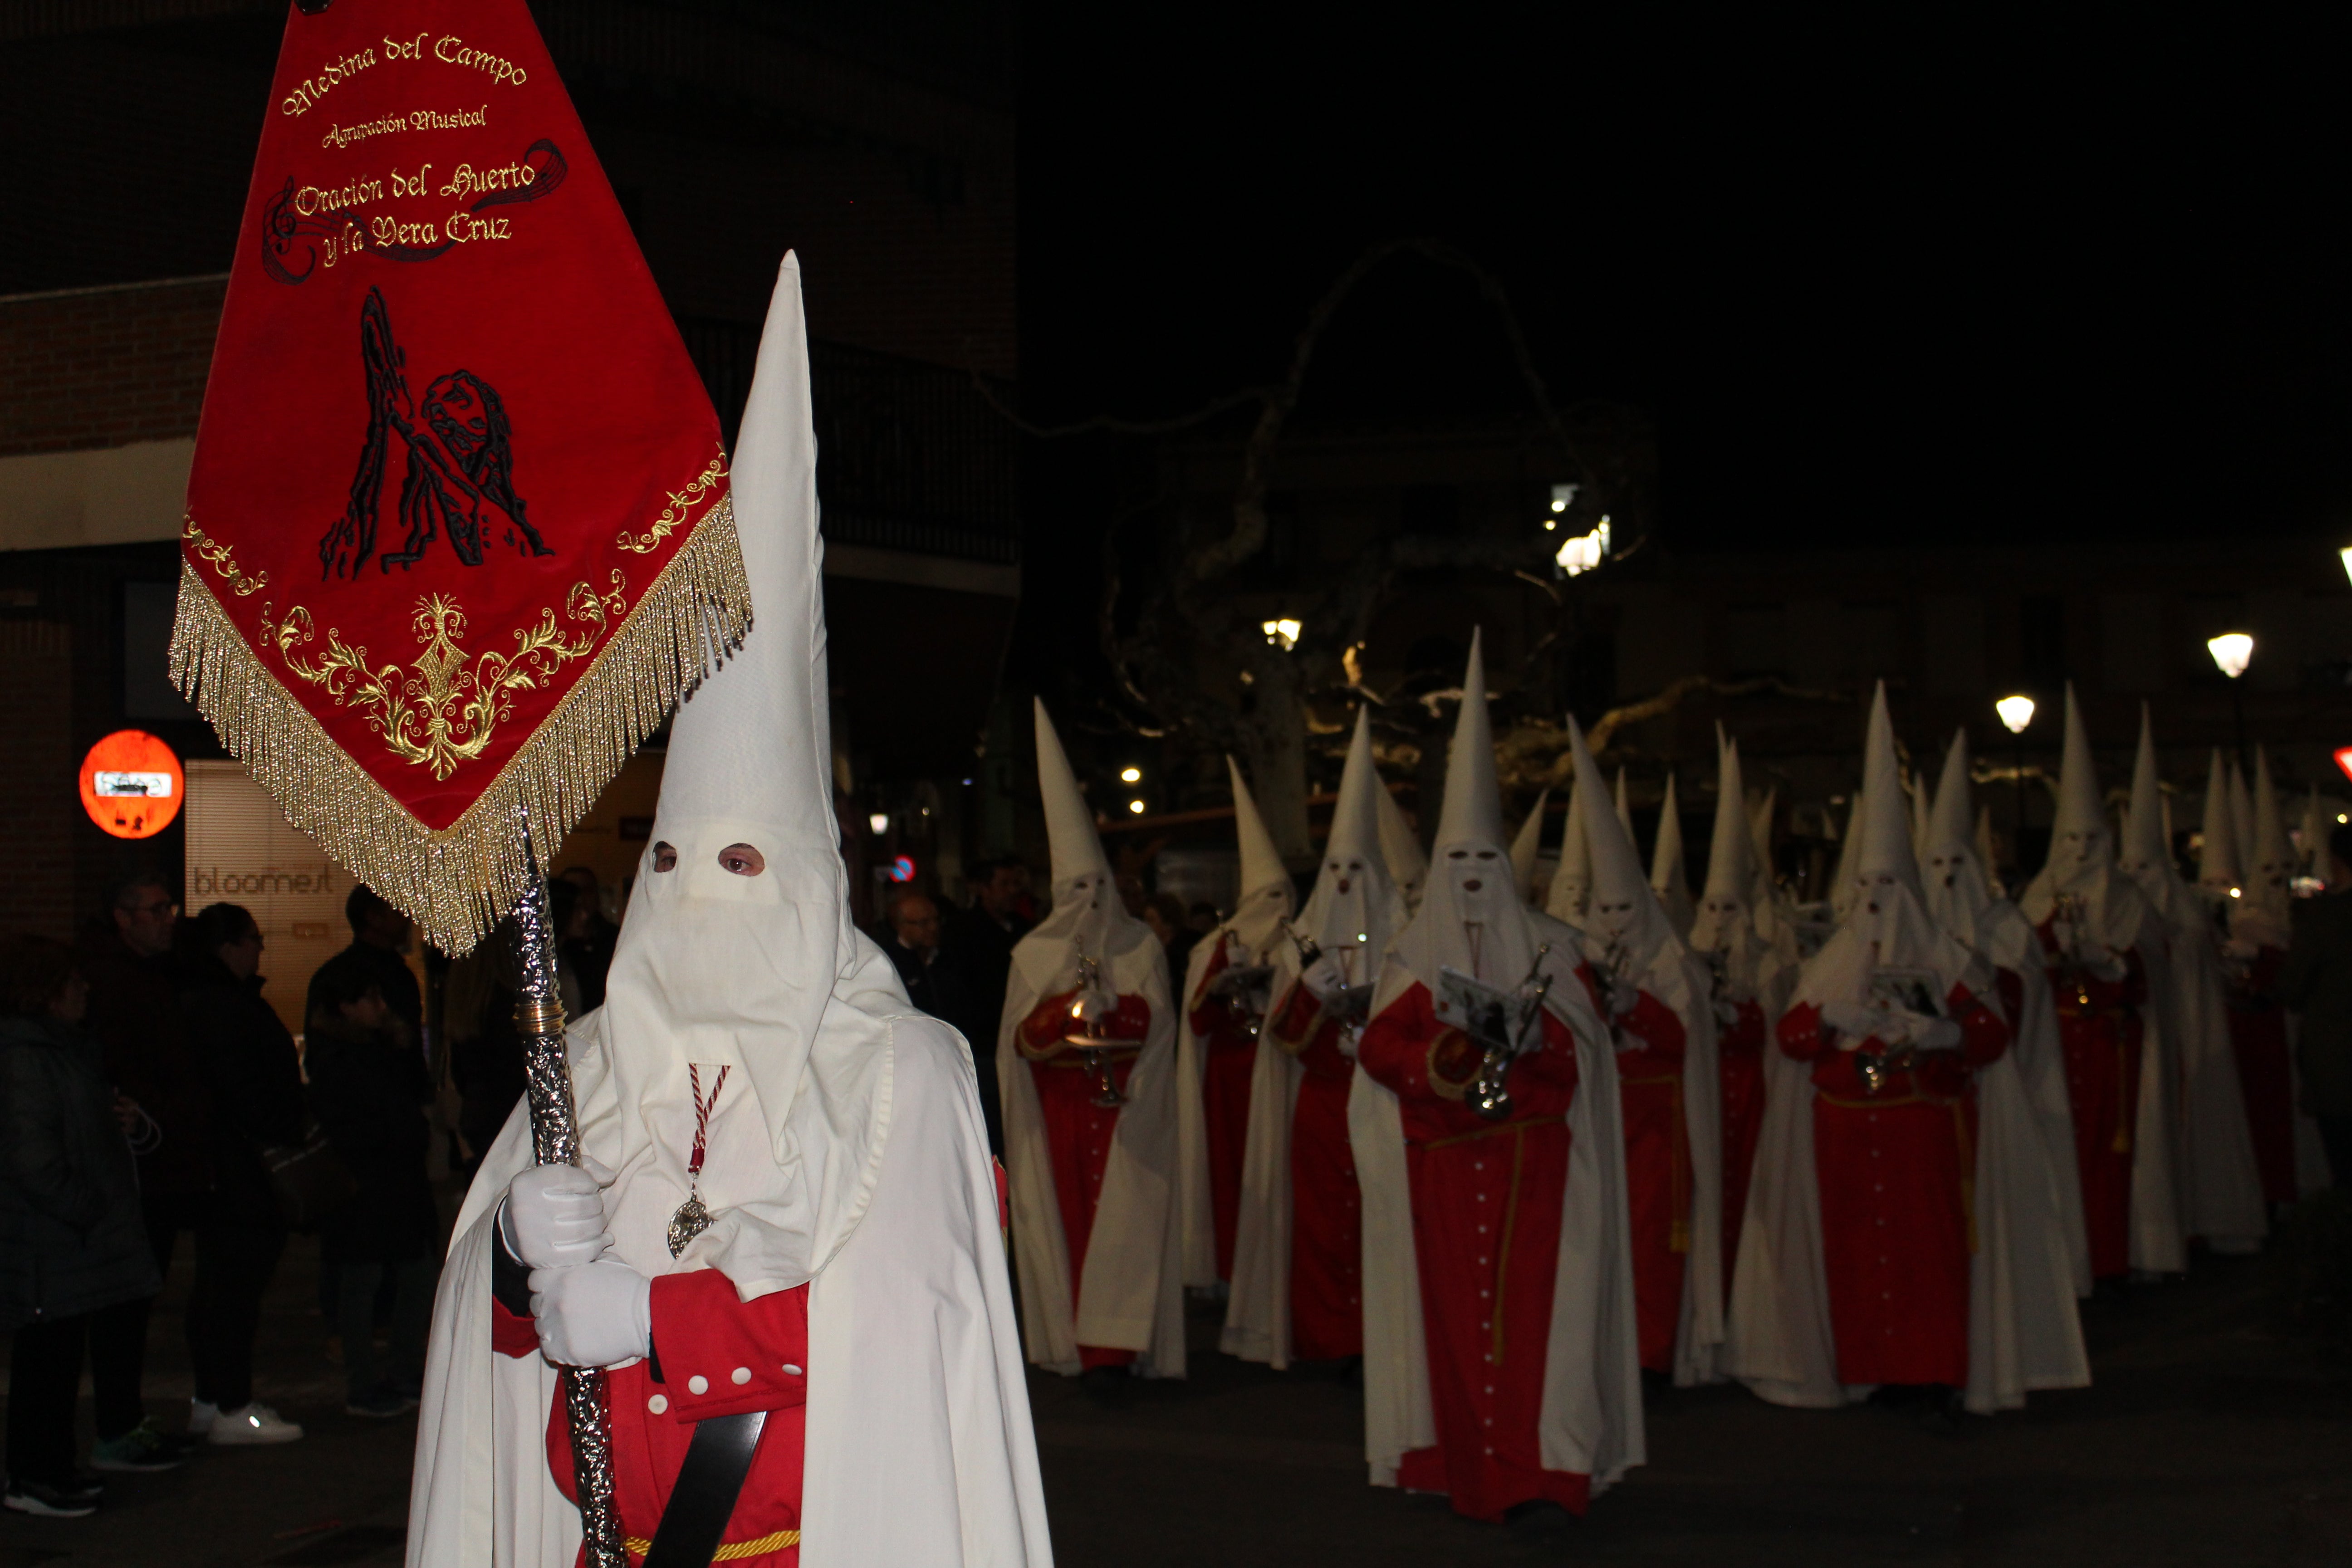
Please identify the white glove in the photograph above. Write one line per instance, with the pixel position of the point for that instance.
(1324, 977)
(591, 1314)
(553, 1217)
(1852, 1019)
(1936, 1035)
(1623, 995)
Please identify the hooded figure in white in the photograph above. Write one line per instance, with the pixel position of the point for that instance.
(1225, 993)
(1894, 1016)
(2220, 873)
(1527, 845)
(1571, 883)
(1517, 1437)
(1400, 845)
(1668, 875)
(1116, 1295)
(1751, 970)
(2287, 1148)
(2105, 948)
(1298, 1279)
(2032, 1074)
(1658, 1000)
(842, 1152)
(2221, 1193)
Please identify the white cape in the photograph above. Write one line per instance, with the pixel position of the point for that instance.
(1131, 1293)
(919, 1452)
(2023, 1331)
(1198, 1218)
(1257, 1313)
(1591, 1422)
(2221, 1187)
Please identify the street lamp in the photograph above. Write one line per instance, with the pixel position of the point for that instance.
(879, 822)
(2344, 555)
(2232, 652)
(1130, 775)
(1284, 633)
(2016, 712)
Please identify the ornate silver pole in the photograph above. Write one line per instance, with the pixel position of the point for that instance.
(555, 1140)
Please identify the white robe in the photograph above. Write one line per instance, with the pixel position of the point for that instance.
(1131, 1291)
(918, 1446)
(1590, 1421)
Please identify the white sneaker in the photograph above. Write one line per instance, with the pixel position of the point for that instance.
(202, 1414)
(254, 1423)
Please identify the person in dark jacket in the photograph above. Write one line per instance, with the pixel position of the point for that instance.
(255, 1082)
(2315, 981)
(381, 936)
(76, 1271)
(977, 943)
(369, 1089)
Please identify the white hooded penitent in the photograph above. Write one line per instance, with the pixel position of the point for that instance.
(1759, 965)
(1668, 875)
(851, 1158)
(2261, 916)
(1525, 844)
(1571, 882)
(1471, 919)
(1626, 931)
(1352, 912)
(2217, 870)
(1130, 1291)
(1408, 866)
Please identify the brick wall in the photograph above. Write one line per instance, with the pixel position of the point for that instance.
(36, 771)
(102, 367)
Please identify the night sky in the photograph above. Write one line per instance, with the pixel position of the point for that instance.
(1949, 283)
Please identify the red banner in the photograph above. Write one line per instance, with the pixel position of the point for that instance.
(458, 532)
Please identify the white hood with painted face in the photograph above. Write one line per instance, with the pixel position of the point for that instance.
(1526, 843)
(1571, 882)
(1355, 908)
(1264, 906)
(1668, 875)
(2083, 852)
(1089, 916)
(1400, 845)
(2219, 873)
(2260, 915)
(1953, 876)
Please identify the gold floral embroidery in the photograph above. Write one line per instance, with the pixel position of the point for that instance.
(442, 710)
(681, 502)
(221, 559)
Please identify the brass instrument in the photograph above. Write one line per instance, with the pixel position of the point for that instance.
(1488, 1095)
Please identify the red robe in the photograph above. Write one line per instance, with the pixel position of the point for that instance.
(1228, 1038)
(1077, 1130)
(2099, 1029)
(1897, 1175)
(1327, 1220)
(713, 1354)
(1739, 1075)
(1487, 1200)
(1657, 1166)
(2258, 1041)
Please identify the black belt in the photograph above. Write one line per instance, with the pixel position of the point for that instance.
(703, 1499)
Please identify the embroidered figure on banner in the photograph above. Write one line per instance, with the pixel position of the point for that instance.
(460, 475)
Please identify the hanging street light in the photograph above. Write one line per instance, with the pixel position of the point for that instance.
(1130, 775)
(1283, 632)
(879, 822)
(2232, 652)
(2016, 712)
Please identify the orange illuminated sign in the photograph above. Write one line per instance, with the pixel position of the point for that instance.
(131, 784)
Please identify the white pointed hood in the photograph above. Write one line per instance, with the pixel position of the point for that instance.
(1526, 843)
(2083, 851)
(2312, 856)
(1726, 904)
(1922, 799)
(1355, 908)
(1886, 923)
(1958, 884)
(1623, 908)
(2146, 852)
(2217, 859)
(1669, 877)
(1625, 811)
(1572, 880)
(1089, 916)
(1471, 917)
(1266, 888)
(763, 974)
(2262, 915)
(2242, 817)
(1408, 863)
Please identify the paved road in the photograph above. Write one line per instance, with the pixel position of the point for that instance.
(2207, 1439)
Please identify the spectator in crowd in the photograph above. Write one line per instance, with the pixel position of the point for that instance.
(379, 950)
(1203, 918)
(486, 1056)
(978, 942)
(255, 1082)
(369, 1089)
(912, 937)
(2316, 982)
(1165, 915)
(127, 956)
(589, 948)
(76, 1271)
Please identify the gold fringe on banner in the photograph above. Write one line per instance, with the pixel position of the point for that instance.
(459, 882)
